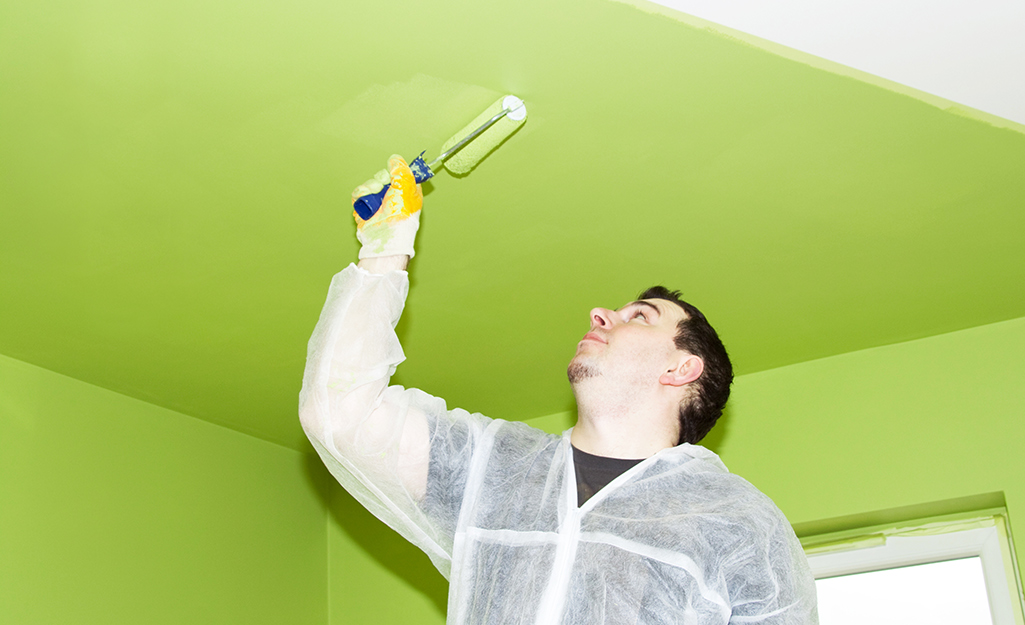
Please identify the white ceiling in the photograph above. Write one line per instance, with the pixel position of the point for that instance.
(969, 52)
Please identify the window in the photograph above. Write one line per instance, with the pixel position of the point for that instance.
(945, 571)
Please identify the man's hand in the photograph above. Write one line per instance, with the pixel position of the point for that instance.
(392, 229)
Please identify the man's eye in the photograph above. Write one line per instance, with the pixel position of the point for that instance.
(640, 314)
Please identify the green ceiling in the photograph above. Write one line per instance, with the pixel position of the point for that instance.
(174, 180)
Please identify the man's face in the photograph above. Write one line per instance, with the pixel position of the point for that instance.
(633, 344)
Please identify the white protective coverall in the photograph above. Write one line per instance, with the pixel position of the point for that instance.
(675, 539)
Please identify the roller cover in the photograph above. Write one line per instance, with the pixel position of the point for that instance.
(474, 152)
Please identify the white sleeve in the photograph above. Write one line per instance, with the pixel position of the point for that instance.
(373, 438)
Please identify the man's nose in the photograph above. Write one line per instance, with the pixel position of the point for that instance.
(601, 318)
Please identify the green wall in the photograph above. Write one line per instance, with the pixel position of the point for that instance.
(113, 510)
(375, 575)
(925, 421)
(932, 421)
(914, 423)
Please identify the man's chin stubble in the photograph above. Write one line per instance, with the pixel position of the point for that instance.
(578, 371)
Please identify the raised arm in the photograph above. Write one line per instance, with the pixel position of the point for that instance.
(355, 421)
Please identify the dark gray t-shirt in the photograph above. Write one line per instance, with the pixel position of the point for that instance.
(595, 472)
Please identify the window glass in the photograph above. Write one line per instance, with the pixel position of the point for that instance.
(939, 593)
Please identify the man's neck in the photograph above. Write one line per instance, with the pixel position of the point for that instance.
(622, 424)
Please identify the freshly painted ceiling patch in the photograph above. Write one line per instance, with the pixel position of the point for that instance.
(414, 115)
(968, 52)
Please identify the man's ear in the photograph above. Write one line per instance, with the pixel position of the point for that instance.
(688, 370)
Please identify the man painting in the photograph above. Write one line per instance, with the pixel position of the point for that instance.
(621, 520)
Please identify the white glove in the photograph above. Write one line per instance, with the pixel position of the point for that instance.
(391, 230)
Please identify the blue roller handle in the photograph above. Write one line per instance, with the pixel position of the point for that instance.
(367, 205)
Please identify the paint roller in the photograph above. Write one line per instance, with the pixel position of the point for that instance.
(460, 155)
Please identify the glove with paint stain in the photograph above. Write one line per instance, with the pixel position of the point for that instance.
(390, 230)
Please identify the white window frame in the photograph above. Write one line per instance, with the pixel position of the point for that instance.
(985, 538)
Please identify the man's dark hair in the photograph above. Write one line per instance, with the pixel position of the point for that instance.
(711, 390)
